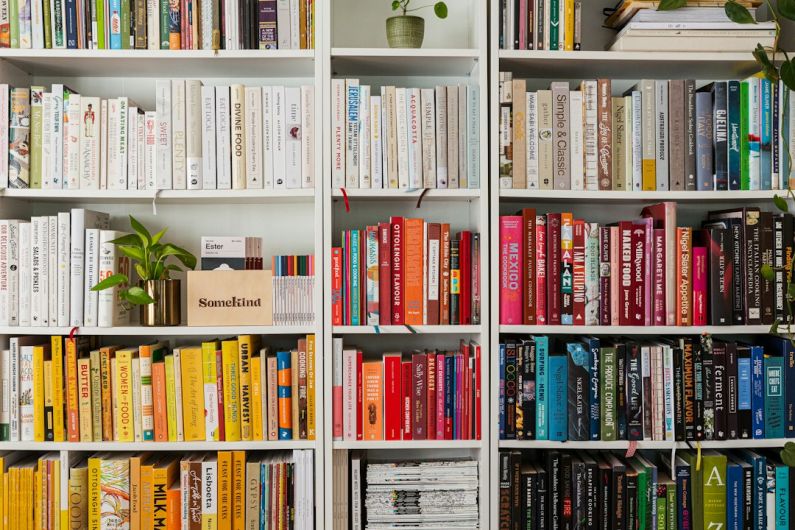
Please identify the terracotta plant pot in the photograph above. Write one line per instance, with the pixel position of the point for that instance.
(405, 31)
(165, 311)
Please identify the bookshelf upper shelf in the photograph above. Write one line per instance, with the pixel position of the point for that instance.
(409, 444)
(164, 331)
(257, 445)
(518, 195)
(251, 196)
(437, 62)
(409, 195)
(392, 330)
(637, 330)
(642, 444)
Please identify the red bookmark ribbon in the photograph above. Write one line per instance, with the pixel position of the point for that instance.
(345, 199)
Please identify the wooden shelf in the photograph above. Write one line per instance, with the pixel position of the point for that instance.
(404, 61)
(637, 330)
(643, 444)
(163, 331)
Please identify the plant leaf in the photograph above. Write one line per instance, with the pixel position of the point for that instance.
(791, 290)
(127, 239)
(781, 203)
(738, 13)
(111, 281)
(172, 267)
(669, 5)
(157, 236)
(767, 272)
(786, 8)
(768, 68)
(187, 259)
(141, 271)
(440, 8)
(787, 72)
(141, 230)
(135, 253)
(136, 295)
(395, 5)
(774, 327)
(788, 454)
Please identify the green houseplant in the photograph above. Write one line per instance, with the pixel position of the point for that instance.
(157, 294)
(408, 31)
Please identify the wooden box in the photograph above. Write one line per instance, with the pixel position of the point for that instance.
(229, 298)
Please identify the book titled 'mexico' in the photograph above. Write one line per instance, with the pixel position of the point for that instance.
(558, 376)
(510, 269)
(284, 377)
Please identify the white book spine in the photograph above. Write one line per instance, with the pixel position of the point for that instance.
(308, 136)
(589, 135)
(473, 137)
(91, 298)
(38, 271)
(114, 139)
(150, 149)
(5, 384)
(576, 139)
(52, 270)
(364, 137)
(25, 240)
(106, 299)
(428, 127)
(637, 140)
(253, 129)
(441, 137)
(13, 271)
(462, 137)
(13, 391)
(223, 145)
(338, 134)
(135, 373)
(237, 98)
(376, 143)
(163, 150)
(389, 135)
(178, 147)
(661, 129)
(26, 405)
(63, 279)
(295, 37)
(401, 115)
(531, 152)
(754, 131)
(5, 288)
(5, 107)
(24, 17)
(102, 144)
(452, 137)
(352, 133)
(279, 138)
(152, 24)
(132, 148)
(413, 102)
(208, 138)
(283, 23)
(193, 133)
(37, 23)
(668, 387)
(292, 144)
(209, 497)
(267, 137)
(71, 146)
(46, 142)
(56, 152)
(140, 132)
(206, 8)
(211, 409)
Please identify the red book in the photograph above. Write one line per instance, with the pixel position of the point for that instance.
(553, 269)
(684, 275)
(511, 259)
(699, 286)
(659, 277)
(406, 390)
(604, 276)
(625, 271)
(478, 395)
(396, 294)
(529, 266)
(347, 258)
(336, 286)
(466, 422)
(392, 396)
(384, 247)
(430, 417)
(664, 216)
(578, 274)
(639, 280)
(359, 397)
(420, 394)
(465, 260)
(440, 368)
(541, 270)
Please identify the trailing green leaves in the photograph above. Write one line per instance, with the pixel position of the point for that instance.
(781, 203)
(787, 72)
(440, 8)
(111, 281)
(786, 8)
(788, 454)
(669, 5)
(395, 5)
(767, 272)
(767, 66)
(738, 13)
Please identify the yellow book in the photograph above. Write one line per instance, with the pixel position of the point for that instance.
(48, 420)
(171, 399)
(94, 494)
(135, 489)
(238, 489)
(192, 393)
(164, 474)
(84, 399)
(568, 30)
(78, 496)
(209, 486)
(123, 389)
(224, 490)
(56, 348)
(649, 172)
(246, 347)
(56, 493)
(38, 393)
(256, 398)
(229, 352)
(310, 387)
(38, 495)
(210, 375)
(147, 473)
(5, 519)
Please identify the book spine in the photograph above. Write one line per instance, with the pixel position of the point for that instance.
(704, 141)
(661, 132)
(604, 134)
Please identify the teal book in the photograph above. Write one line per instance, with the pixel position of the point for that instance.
(355, 278)
(774, 396)
(607, 380)
(554, 24)
(766, 126)
(542, 387)
(713, 466)
(558, 417)
(782, 497)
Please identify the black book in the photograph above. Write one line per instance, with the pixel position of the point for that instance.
(708, 386)
(634, 393)
(505, 491)
(732, 425)
(528, 391)
(779, 278)
(742, 267)
(510, 390)
(679, 394)
(554, 485)
(579, 492)
(698, 394)
(720, 251)
(618, 519)
(744, 418)
(604, 488)
(621, 392)
(578, 394)
(542, 499)
(591, 521)
(645, 377)
(631, 501)
(689, 387)
(719, 388)
(721, 134)
(767, 250)
(566, 491)
(529, 496)
(516, 490)
(788, 238)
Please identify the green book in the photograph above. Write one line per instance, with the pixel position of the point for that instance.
(745, 149)
(643, 491)
(696, 490)
(607, 406)
(57, 30)
(47, 26)
(714, 483)
(36, 102)
(14, 22)
(554, 24)
(662, 507)
(164, 24)
(99, 10)
(125, 24)
(670, 503)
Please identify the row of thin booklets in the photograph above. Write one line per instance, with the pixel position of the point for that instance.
(197, 137)
(72, 389)
(406, 272)
(540, 25)
(684, 389)
(376, 494)
(556, 269)
(407, 138)
(420, 395)
(158, 24)
(657, 135)
(744, 489)
(227, 489)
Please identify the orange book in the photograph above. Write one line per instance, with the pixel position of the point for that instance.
(159, 398)
(174, 507)
(412, 270)
(238, 489)
(684, 268)
(105, 376)
(146, 514)
(372, 403)
(224, 490)
(136, 462)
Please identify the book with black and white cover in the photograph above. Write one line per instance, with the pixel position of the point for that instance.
(46, 141)
(307, 136)
(237, 110)
(178, 133)
(150, 149)
(338, 133)
(71, 145)
(81, 220)
(60, 97)
(389, 111)
(428, 127)
(292, 142)
(52, 270)
(103, 144)
(414, 140)
(253, 126)
(531, 132)
(402, 135)
(452, 137)
(352, 133)
(661, 132)
(576, 141)
(63, 279)
(267, 137)
(193, 134)
(473, 136)
(223, 145)
(279, 138)
(163, 172)
(376, 142)
(39, 271)
(133, 148)
(109, 309)
(208, 135)
(365, 150)
(25, 238)
(588, 89)
(5, 117)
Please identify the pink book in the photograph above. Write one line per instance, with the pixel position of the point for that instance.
(511, 269)
(477, 391)
(440, 396)
(459, 395)
(615, 253)
(626, 274)
(664, 216)
(648, 270)
(523, 24)
(541, 269)
(349, 386)
(659, 277)
(699, 286)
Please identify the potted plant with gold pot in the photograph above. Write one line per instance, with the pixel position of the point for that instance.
(407, 31)
(157, 294)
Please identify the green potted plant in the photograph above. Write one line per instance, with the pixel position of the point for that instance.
(407, 31)
(157, 294)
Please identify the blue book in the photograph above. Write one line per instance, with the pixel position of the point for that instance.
(784, 165)
(744, 396)
(114, 12)
(758, 489)
(71, 24)
(765, 160)
(757, 392)
(734, 496)
(774, 396)
(734, 134)
(558, 377)
(284, 392)
(449, 385)
(501, 406)
(782, 497)
(593, 346)
(783, 348)
(264, 480)
(355, 275)
(542, 358)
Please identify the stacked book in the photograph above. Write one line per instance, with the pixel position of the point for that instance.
(685, 389)
(406, 272)
(657, 135)
(626, 9)
(293, 290)
(71, 389)
(414, 494)
(704, 489)
(158, 25)
(541, 25)
(422, 395)
(406, 138)
(556, 269)
(197, 137)
(701, 29)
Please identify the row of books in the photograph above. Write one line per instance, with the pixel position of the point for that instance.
(420, 395)
(72, 389)
(540, 25)
(404, 137)
(406, 272)
(197, 137)
(657, 135)
(555, 269)
(157, 25)
(690, 388)
(605, 490)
